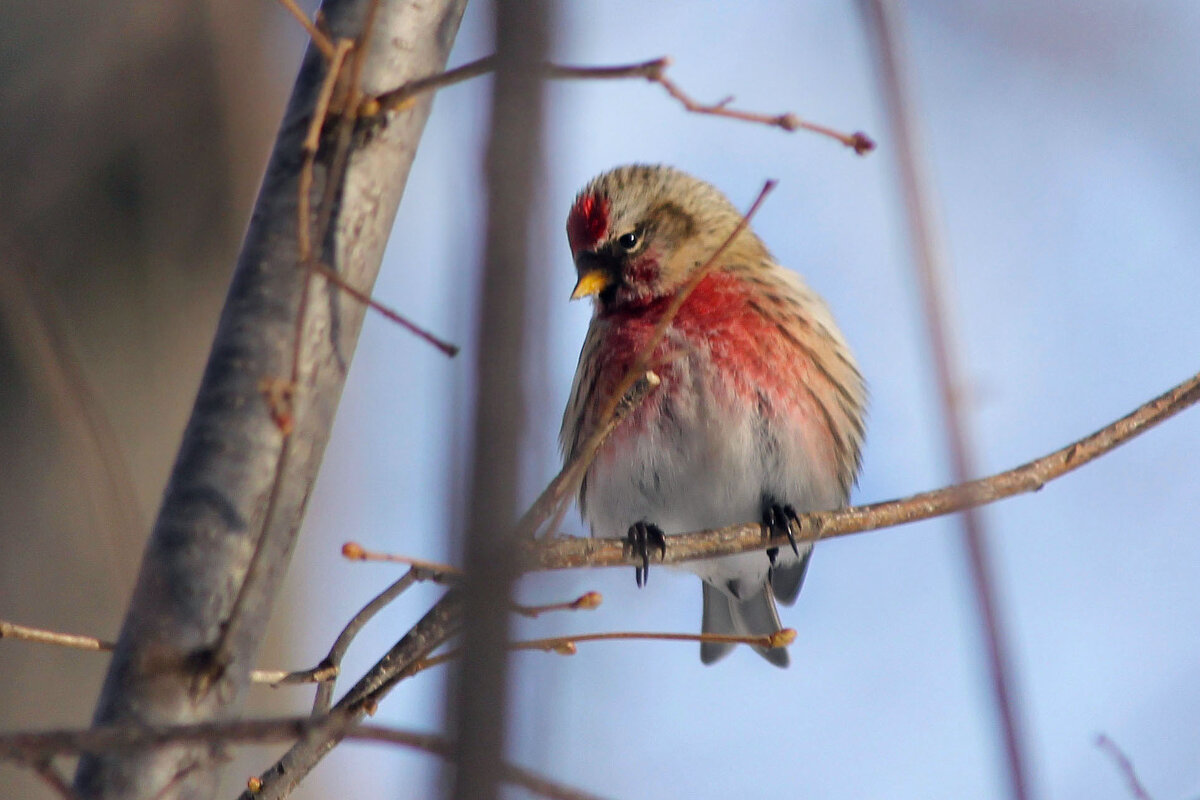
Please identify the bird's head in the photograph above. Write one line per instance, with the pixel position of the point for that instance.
(638, 232)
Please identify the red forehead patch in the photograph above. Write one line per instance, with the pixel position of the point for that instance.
(587, 222)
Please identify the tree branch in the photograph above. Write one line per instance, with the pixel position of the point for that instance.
(566, 552)
(1124, 766)
(437, 626)
(340, 645)
(653, 71)
(35, 749)
(214, 522)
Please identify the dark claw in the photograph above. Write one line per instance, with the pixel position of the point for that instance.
(779, 519)
(640, 538)
(792, 517)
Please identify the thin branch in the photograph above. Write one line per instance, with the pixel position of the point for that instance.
(342, 643)
(11, 630)
(563, 486)
(438, 625)
(422, 569)
(448, 348)
(780, 638)
(312, 145)
(35, 748)
(259, 567)
(653, 71)
(563, 552)
(399, 98)
(566, 645)
(932, 267)
(316, 34)
(585, 602)
(277, 677)
(1124, 766)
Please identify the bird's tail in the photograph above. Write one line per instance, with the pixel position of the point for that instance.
(754, 615)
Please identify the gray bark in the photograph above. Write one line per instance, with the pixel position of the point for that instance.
(223, 503)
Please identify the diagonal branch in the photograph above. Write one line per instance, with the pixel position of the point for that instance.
(566, 552)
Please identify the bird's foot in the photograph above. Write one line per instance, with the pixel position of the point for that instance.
(643, 536)
(780, 519)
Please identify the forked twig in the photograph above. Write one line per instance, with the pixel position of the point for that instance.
(653, 71)
(318, 36)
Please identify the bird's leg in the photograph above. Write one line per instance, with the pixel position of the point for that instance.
(640, 538)
(780, 519)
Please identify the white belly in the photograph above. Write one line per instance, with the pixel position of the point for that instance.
(701, 462)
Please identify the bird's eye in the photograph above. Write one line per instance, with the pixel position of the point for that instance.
(629, 241)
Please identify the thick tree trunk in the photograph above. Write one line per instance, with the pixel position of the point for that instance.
(237, 494)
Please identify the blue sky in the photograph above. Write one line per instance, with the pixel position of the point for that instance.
(1064, 145)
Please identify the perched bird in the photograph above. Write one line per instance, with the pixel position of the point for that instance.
(759, 414)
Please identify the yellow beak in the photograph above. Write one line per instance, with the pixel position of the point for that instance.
(592, 282)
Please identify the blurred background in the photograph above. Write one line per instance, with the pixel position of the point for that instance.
(1064, 143)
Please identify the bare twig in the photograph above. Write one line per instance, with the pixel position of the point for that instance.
(337, 280)
(11, 630)
(653, 71)
(586, 601)
(1124, 766)
(551, 501)
(422, 569)
(340, 645)
(780, 638)
(399, 98)
(566, 645)
(277, 677)
(931, 265)
(337, 59)
(319, 39)
(437, 626)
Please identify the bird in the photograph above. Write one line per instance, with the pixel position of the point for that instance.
(759, 413)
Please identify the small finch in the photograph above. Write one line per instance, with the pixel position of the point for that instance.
(759, 415)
